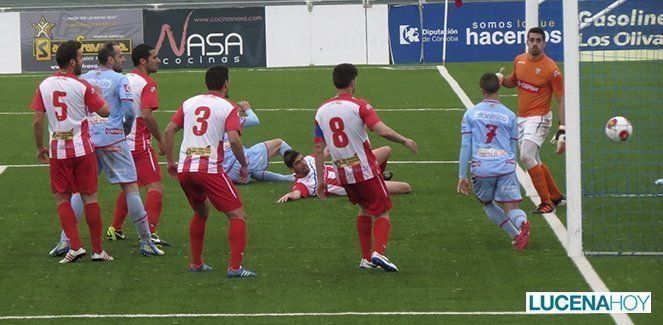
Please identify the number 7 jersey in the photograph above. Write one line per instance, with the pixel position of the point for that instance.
(493, 127)
(204, 120)
(341, 122)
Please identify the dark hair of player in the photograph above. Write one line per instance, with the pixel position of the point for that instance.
(289, 157)
(66, 52)
(537, 30)
(142, 51)
(106, 52)
(344, 73)
(489, 83)
(216, 77)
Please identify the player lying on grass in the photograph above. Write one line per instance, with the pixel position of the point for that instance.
(489, 144)
(111, 149)
(258, 155)
(306, 181)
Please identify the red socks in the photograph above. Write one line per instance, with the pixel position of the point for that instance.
(237, 242)
(381, 230)
(196, 237)
(364, 226)
(550, 181)
(539, 179)
(68, 224)
(93, 218)
(121, 211)
(153, 208)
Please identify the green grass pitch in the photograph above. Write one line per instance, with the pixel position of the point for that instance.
(452, 258)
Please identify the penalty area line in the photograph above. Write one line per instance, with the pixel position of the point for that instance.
(582, 263)
(228, 315)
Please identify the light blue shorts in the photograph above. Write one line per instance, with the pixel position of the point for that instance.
(258, 159)
(503, 189)
(118, 164)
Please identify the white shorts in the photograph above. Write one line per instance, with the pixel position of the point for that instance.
(534, 128)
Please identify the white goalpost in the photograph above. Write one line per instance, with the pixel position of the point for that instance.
(613, 206)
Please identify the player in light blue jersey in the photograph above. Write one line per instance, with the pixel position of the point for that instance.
(489, 145)
(257, 155)
(108, 138)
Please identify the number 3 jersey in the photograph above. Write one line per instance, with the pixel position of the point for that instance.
(204, 120)
(493, 127)
(341, 123)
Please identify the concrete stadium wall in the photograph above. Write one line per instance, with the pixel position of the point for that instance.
(10, 60)
(326, 35)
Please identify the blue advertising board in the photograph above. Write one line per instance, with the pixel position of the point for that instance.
(495, 31)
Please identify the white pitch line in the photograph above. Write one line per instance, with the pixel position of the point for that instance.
(397, 162)
(213, 315)
(425, 109)
(586, 270)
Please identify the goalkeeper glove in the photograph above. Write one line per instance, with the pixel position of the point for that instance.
(500, 75)
(560, 140)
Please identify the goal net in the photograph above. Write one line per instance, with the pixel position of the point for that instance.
(620, 73)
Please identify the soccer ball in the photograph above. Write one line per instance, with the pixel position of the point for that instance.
(618, 129)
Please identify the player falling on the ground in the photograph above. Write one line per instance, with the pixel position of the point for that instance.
(306, 181)
(66, 101)
(108, 138)
(489, 144)
(205, 119)
(144, 92)
(538, 78)
(340, 124)
(257, 155)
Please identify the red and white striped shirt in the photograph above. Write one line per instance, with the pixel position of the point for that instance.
(341, 122)
(307, 184)
(67, 100)
(144, 92)
(205, 119)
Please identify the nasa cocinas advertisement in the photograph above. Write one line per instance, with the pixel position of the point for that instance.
(185, 38)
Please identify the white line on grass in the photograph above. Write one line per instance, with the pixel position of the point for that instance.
(424, 109)
(338, 314)
(404, 162)
(586, 270)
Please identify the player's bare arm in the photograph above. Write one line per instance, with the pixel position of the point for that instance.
(38, 130)
(463, 186)
(510, 81)
(388, 133)
(290, 196)
(171, 129)
(153, 127)
(238, 151)
(319, 150)
(560, 136)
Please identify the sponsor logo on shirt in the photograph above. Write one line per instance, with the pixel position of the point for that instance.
(199, 151)
(114, 131)
(347, 162)
(491, 152)
(491, 116)
(528, 87)
(63, 135)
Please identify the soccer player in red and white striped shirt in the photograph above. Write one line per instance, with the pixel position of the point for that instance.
(340, 125)
(146, 100)
(205, 119)
(67, 101)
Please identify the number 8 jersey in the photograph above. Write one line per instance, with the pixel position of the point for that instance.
(494, 131)
(341, 122)
(204, 120)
